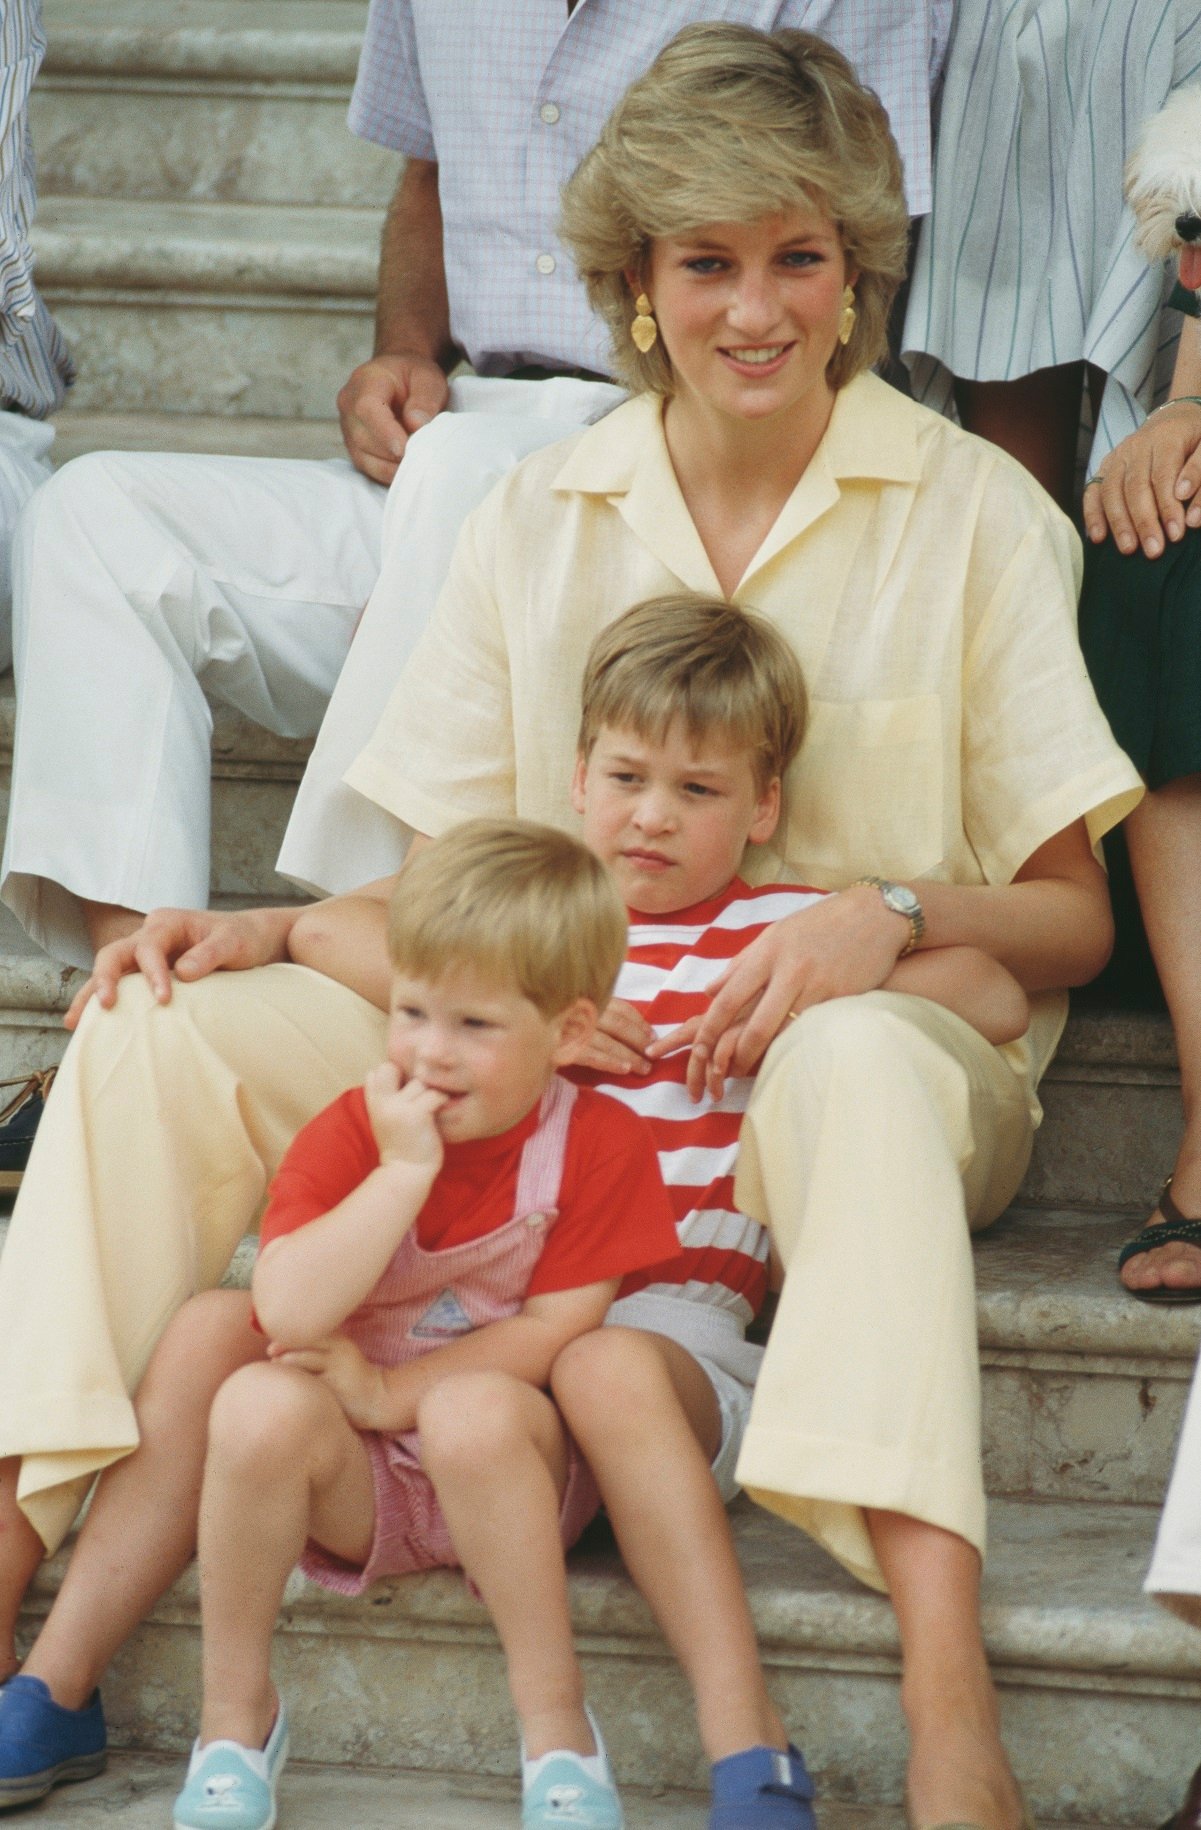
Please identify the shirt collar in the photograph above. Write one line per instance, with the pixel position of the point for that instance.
(871, 437)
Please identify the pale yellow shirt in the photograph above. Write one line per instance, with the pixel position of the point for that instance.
(927, 584)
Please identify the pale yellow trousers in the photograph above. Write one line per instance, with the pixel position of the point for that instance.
(879, 1126)
(882, 1128)
(151, 1161)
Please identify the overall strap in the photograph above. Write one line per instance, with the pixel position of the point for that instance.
(541, 1171)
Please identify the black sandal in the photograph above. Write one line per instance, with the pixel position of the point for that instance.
(1174, 1226)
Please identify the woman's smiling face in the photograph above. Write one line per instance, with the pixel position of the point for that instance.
(749, 312)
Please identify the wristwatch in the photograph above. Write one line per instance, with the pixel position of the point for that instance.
(901, 901)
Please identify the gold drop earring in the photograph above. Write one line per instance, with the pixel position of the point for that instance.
(846, 323)
(643, 331)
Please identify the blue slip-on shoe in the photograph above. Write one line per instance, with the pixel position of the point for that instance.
(762, 1789)
(231, 1787)
(43, 1745)
(575, 1791)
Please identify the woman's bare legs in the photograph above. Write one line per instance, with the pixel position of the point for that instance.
(1163, 836)
(21, 1550)
(645, 1415)
(141, 1529)
(958, 1769)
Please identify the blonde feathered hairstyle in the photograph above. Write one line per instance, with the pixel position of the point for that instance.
(730, 124)
(1163, 175)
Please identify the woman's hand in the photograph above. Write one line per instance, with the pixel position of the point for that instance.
(843, 945)
(619, 1042)
(404, 1119)
(356, 1383)
(189, 943)
(1148, 485)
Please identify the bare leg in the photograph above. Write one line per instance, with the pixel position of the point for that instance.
(958, 1769)
(1164, 838)
(1036, 419)
(496, 1453)
(141, 1529)
(21, 1550)
(107, 921)
(645, 1415)
(283, 1465)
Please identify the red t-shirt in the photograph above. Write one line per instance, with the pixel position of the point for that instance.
(614, 1214)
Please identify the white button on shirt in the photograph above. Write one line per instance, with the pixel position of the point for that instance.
(546, 263)
(472, 85)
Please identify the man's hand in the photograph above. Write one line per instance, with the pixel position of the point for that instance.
(383, 403)
(1148, 485)
(840, 946)
(619, 1042)
(356, 1383)
(404, 1119)
(190, 943)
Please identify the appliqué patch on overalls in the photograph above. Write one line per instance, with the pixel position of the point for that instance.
(444, 1320)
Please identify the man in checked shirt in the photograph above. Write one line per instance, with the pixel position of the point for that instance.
(146, 575)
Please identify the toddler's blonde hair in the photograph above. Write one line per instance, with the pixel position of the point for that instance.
(513, 901)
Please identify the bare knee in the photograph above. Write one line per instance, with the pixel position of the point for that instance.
(474, 1421)
(606, 1375)
(266, 1419)
(206, 1341)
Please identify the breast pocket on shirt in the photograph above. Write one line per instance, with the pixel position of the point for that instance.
(866, 794)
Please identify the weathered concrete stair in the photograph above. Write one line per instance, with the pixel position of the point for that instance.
(1100, 1690)
(208, 239)
(208, 228)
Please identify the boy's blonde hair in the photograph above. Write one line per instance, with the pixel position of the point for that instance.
(731, 124)
(513, 901)
(718, 669)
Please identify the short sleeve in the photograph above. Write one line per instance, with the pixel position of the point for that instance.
(1181, 299)
(444, 749)
(388, 104)
(324, 1163)
(614, 1213)
(1038, 753)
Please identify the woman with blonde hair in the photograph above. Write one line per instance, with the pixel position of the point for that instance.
(741, 225)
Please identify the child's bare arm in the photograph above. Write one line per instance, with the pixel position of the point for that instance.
(969, 982)
(524, 1345)
(306, 1283)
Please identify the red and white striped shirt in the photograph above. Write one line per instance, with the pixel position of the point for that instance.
(671, 962)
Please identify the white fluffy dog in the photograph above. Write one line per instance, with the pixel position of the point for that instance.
(1163, 185)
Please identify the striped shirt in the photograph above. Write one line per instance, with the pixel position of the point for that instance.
(1028, 257)
(35, 367)
(508, 99)
(670, 964)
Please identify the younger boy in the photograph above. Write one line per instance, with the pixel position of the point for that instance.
(432, 1242)
(692, 712)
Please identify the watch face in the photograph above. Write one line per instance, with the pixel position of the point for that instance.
(901, 900)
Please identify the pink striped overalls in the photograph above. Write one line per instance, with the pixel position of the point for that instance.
(423, 1300)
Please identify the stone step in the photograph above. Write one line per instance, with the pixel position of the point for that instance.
(225, 100)
(246, 436)
(1083, 1388)
(139, 1790)
(1099, 1688)
(209, 308)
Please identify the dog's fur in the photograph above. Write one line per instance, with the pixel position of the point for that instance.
(1163, 176)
